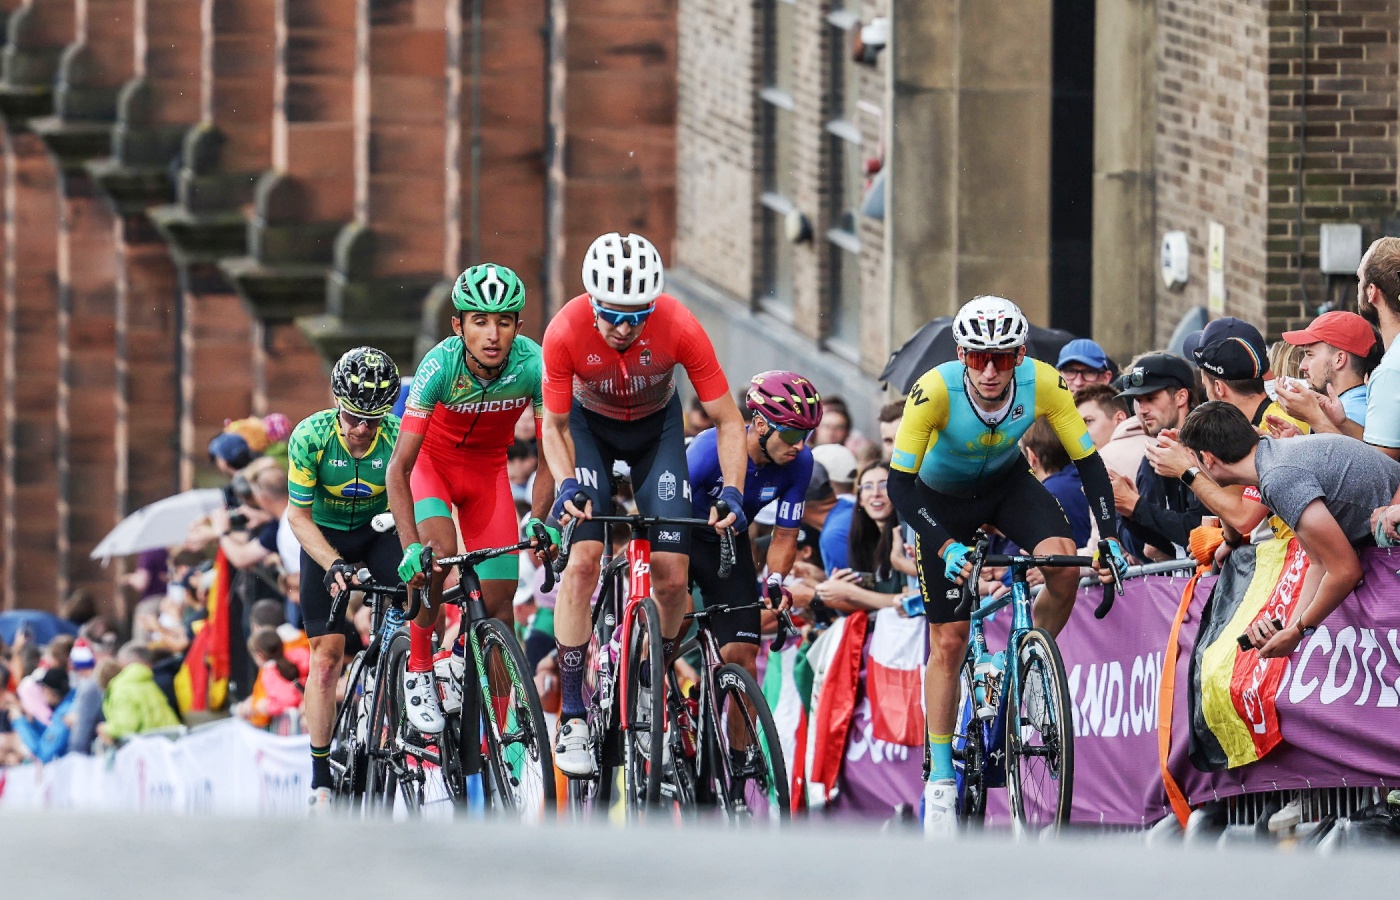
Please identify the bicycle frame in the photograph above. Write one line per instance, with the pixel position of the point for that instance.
(1019, 599)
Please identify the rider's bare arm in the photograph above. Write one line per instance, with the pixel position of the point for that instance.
(396, 481)
(309, 535)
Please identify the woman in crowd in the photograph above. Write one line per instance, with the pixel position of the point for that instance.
(871, 582)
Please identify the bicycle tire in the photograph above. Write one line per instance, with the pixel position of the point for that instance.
(970, 754)
(349, 745)
(1039, 803)
(643, 738)
(518, 761)
(592, 796)
(382, 779)
(760, 791)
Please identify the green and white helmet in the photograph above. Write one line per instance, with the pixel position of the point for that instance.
(489, 288)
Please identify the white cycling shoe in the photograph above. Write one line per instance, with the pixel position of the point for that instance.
(571, 753)
(421, 702)
(322, 802)
(940, 805)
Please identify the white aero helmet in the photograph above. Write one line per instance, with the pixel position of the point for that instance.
(990, 323)
(623, 270)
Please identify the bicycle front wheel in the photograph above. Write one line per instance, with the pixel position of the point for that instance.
(970, 752)
(385, 755)
(643, 739)
(748, 772)
(1039, 737)
(519, 762)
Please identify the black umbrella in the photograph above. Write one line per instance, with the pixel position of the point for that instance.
(933, 344)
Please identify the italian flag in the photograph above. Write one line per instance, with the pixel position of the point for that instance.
(787, 686)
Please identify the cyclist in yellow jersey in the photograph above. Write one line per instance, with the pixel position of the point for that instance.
(956, 467)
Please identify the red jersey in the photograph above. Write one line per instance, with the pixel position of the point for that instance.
(579, 364)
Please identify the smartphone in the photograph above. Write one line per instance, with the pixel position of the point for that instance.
(1246, 644)
(865, 579)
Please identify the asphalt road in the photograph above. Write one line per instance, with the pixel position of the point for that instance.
(61, 856)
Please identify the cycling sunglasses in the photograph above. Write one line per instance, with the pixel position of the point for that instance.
(790, 436)
(978, 359)
(615, 317)
(353, 421)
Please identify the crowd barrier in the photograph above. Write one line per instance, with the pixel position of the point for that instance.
(224, 768)
(1168, 713)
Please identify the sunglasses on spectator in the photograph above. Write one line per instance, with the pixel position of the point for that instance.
(353, 421)
(616, 317)
(978, 359)
(790, 436)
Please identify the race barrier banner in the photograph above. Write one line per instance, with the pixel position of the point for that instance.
(1335, 703)
(225, 768)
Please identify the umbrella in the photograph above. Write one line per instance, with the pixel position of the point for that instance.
(933, 344)
(43, 626)
(160, 524)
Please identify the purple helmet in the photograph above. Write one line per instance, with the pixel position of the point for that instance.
(786, 399)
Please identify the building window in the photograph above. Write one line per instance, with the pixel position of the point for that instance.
(779, 153)
(846, 188)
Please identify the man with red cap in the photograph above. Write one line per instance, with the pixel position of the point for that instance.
(1338, 353)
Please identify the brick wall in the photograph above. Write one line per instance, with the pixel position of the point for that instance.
(1332, 102)
(1212, 147)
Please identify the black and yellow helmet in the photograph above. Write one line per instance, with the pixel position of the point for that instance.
(365, 382)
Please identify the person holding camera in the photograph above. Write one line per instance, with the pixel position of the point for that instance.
(339, 460)
(871, 582)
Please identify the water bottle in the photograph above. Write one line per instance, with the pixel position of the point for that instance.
(449, 669)
(690, 710)
(986, 683)
(608, 656)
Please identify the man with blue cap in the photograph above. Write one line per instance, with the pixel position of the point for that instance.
(1082, 363)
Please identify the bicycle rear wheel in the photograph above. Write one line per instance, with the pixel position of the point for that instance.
(970, 753)
(643, 736)
(349, 737)
(747, 769)
(519, 762)
(1039, 737)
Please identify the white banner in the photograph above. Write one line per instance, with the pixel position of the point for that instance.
(226, 768)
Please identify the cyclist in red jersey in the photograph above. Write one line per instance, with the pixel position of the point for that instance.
(609, 395)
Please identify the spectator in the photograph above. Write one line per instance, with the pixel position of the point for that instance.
(871, 581)
(229, 452)
(134, 704)
(1050, 464)
(1083, 363)
(1157, 512)
(1339, 351)
(279, 685)
(1115, 430)
(1233, 361)
(87, 698)
(697, 420)
(47, 741)
(521, 462)
(835, 426)
(840, 466)
(1378, 299)
(1324, 487)
(252, 538)
(890, 416)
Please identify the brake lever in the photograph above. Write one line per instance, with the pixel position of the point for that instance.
(542, 546)
(726, 542)
(1111, 589)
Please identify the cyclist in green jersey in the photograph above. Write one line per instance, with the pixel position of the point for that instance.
(459, 421)
(337, 462)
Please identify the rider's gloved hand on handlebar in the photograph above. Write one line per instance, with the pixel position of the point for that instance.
(955, 563)
(735, 499)
(778, 596)
(339, 577)
(411, 566)
(549, 530)
(567, 489)
(1117, 560)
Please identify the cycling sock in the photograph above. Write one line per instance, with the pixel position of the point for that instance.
(420, 648)
(941, 757)
(321, 767)
(571, 680)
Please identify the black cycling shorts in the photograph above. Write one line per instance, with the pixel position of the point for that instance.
(363, 546)
(739, 627)
(654, 448)
(1020, 507)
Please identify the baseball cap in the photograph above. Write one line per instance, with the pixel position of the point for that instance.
(231, 448)
(1231, 348)
(1153, 373)
(1084, 352)
(1343, 330)
(840, 463)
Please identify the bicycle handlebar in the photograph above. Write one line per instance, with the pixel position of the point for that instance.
(364, 582)
(580, 500)
(538, 541)
(1111, 589)
(980, 558)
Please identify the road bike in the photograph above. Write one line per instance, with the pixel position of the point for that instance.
(1016, 726)
(726, 752)
(498, 731)
(624, 694)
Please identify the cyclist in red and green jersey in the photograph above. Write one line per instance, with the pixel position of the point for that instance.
(468, 393)
(610, 394)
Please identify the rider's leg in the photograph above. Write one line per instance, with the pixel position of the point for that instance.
(438, 534)
(947, 643)
(572, 622)
(670, 588)
(1056, 601)
(327, 652)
